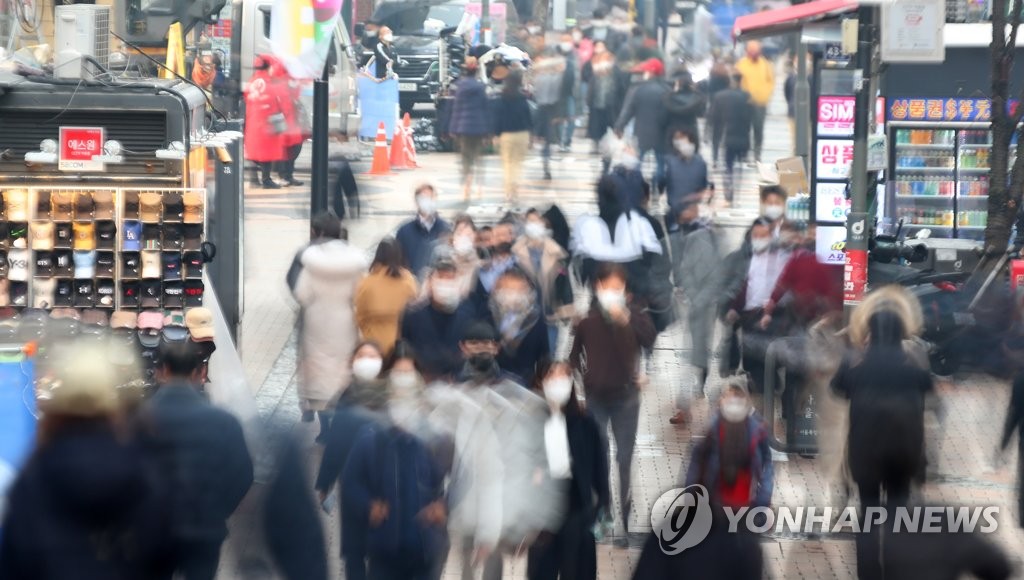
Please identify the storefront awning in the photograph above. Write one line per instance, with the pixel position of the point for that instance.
(788, 19)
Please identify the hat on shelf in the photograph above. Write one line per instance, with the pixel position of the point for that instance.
(200, 323)
(65, 313)
(105, 264)
(63, 263)
(193, 236)
(42, 235)
(85, 264)
(193, 207)
(123, 319)
(151, 264)
(43, 290)
(61, 202)
(174, 294)
(85, 236)
(150, 206)
(105, 292)
(130, 265)
(44, 264)
(131, 205)
(151, 293)
(174, 206)
(42, 205)
(171, 265)
(129, 294)
(18, 233)
(173, 236)
(65, 294)
(94, 316)
(193, 262)
(17, 264)
(5, 290)
(84, 206)
(84, 293)
(151, 236)
(19, 293)
(16, 201)
(104, 209)
(132, 232)
(194, 290)
(106, 234)
(64, 234)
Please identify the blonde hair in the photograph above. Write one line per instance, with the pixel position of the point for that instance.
(893, 298)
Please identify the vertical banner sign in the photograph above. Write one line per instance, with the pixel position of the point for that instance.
(855, 271)
(301, 32)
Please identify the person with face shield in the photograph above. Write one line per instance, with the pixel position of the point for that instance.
(545, 262)
(362, 405)
(418, 235)
(606, 350)
(521, 325)
(434, 325)
(576, 459)
(517, 416)
(733, 461)
(748, 307)
(686, 173)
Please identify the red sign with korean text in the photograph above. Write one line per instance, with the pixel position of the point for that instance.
(855, 276)
(78, 145)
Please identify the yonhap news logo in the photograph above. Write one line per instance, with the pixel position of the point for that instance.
(682, 518)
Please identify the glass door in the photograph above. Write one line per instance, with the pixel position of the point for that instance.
(925, 180)
(973, 149)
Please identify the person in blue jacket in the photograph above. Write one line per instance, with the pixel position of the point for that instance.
(392, 484)
(418, 236)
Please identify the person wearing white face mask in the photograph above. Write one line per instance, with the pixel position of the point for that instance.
(577, 460)
(748, 308)
(434, 325)
(606, 351)
(418, 235)
(545, 262)
(733, 461)
(686, 172)
(521, 326)
(773, 206)
(384, 56)
(362, 405)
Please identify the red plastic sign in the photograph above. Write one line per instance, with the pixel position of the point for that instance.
(855, 276)
(78, 145)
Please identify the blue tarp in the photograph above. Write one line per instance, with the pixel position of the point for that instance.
(17, 418)
(378, 101)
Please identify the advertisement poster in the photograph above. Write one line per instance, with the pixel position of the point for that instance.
(835, 116)
(831, 204)
(830, 242)
(834, 157)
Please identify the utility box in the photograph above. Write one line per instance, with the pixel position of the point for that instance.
(81, 30)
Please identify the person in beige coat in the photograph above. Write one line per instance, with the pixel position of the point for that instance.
(382, 296)
(545, 262)
(328, 271)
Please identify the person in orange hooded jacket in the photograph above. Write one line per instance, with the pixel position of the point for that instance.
(293, 136)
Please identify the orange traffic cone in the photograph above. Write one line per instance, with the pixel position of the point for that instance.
(410, 145)
(380, 153)
(398, 160)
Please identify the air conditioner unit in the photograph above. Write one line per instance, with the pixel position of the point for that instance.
(81, 30)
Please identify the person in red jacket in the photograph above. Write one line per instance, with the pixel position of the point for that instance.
(265, 120)
(813, 288)
(294, 135)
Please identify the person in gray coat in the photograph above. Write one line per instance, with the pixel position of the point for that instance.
(695, 270)
(645, 106)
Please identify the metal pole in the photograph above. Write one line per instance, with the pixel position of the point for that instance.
(318, 185)
(802, 94)
(485, 22)
(855, 270)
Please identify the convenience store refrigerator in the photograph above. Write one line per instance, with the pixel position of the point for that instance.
(940, 176)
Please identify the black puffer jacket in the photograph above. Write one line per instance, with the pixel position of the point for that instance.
(87, 506)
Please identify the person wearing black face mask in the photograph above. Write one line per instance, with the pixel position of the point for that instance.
(517, 416)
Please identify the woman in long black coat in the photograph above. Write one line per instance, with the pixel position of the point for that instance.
(1015, 422)
(571, 551)
(887, 403)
